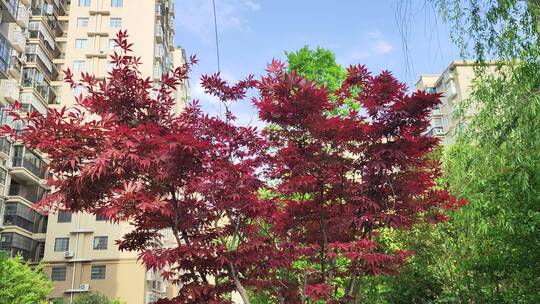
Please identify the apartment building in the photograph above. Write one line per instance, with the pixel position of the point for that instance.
(454, 83)
(39, 39)
(28, 49)
(80, 249)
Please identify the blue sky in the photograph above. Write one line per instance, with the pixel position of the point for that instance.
(252, 32)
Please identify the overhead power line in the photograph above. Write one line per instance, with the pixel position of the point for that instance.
(216, 32)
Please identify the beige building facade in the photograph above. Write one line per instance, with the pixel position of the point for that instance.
(454, 84)
(79, 249)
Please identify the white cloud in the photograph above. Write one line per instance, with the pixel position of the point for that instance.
(197, 16)
(253, 5)
(375, 33)
(382, 47)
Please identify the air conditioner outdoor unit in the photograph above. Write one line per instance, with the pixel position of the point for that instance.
(84, 287)
(439, 131)
(68, 254)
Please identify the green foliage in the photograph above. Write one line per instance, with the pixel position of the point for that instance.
(20, 283)
(95, 298)
(502, 28)
(317, 65)
(496, 165)
(489, 251)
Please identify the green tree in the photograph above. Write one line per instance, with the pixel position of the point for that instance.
(95, 298)
(488, 252)
(20, 283)
(318, 65)
(496, 165)
(506, 29)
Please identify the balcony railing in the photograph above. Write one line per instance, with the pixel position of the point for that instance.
(5, 146)
(18, 40)
(157, 72)
(8, 8)
(32, 78)
(26, 162)
(50, 18)
(15, 66)
(9, 90)
(54, 51)
(23, 16)
(34, 58)
(5, 53)
(32, 193)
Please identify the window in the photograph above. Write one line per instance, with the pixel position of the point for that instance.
(82, 22)
(116, 22)
(61, 244)
(85, 3)
(110, 66)
(100, 242)
(100, 217)
(112, 44)
(81, 43)
(3, 174)
(431, 90)
(58, 274)
(64, 216)
(450, 88)
(117, 3)
(98, 272)
(79, 66)
(78, 90)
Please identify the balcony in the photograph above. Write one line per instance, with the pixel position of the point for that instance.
(27, 166)
(158, 52)
(34, 58)
(32, 193)
(157, 73)
(8, 8)
(53, 50)
(18, 40)
(23, 16)
(159, 33)
(435, 131)
(150, 275)
(30, 103)
(5, 54)
(5, 148)
(15, 67)
(34, 79)
(9, 90)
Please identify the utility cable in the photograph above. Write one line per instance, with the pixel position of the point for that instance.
(216, 32)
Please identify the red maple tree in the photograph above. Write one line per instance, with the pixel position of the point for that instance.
(246, 207)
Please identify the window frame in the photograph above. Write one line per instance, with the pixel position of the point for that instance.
(62, 219)
(80, 64)
(56, 246)
(83, 45)
(97, 243)
(79, 19)
(115, 25)
(117, 3)
(61, 278)
(85, 3)
(96, 273)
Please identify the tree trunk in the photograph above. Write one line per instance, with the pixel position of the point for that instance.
(239, 287)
